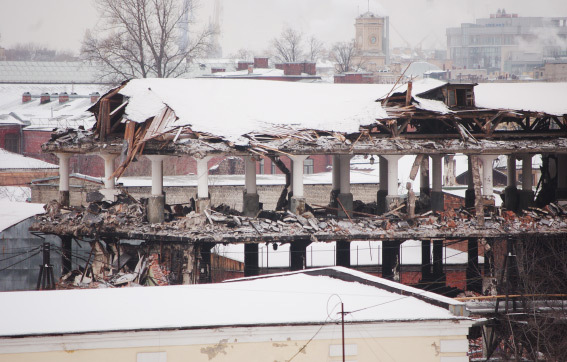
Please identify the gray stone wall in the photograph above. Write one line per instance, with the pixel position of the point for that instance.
(229, 195)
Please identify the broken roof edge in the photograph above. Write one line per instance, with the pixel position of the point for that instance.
(350, 275)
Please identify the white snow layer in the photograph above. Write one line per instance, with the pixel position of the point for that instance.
(285, 298)
(10, 161)
(537, 97)
(12, 213)
(232, 108)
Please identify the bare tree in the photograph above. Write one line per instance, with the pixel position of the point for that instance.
(144, 38)
(344, 56)
(315, 49)
(242, 54)
(538, 273)
(288, 46)
(36, 52)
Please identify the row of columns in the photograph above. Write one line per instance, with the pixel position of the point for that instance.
(387, 195)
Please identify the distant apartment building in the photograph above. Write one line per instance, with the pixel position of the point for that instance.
(508, 43)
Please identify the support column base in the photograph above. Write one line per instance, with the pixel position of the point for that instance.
(511, 198)
(156, 206)
(381, 201)
(333, 198)
(250, 204)
(469, 198)
(525, 199)
(202, 204)
(393, 202)
(437, 201)
(346, 200)
(297, 205)
(64, 198)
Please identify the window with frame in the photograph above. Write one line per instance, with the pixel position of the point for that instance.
(12, 142)
(262, 166)
(308, 166)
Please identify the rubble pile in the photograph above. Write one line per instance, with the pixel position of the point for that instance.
(126, 218)
(147, 272)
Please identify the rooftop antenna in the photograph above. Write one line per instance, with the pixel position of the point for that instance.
(368, 2)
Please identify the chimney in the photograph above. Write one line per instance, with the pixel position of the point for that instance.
(250, 69)
(63, 97)
(260, 62)
(94, 97)
(243, 65)
(26, 97)
(44, 98)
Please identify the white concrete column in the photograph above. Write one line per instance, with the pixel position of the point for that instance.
(527, 177)
(345, 174)
(297, 175)
(63, 171)
(250, 174)
(383, 168)
(392, 174)
(511, 171)
(437, 173)
(336, 172)
(487, 181)
(203, 177)
(157, 173)
(109, 182)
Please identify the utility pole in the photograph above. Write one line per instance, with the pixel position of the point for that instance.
(46, 280)
(343, 327)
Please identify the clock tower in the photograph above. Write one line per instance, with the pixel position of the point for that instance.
(372, 40)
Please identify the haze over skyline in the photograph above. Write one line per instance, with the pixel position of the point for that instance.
(251, 24)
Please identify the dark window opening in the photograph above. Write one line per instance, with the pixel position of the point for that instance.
(12, 142)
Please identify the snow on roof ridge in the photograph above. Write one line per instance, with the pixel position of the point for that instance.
(386, 284)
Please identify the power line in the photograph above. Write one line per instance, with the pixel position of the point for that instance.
(18, 262)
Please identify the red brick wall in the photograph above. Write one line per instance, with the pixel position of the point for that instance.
(453, 201)
(33, 141)
(8, 129)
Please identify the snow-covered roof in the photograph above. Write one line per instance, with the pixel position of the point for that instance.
(6, 119)
(14, 161)
(319, 254)
(289, 298)
(53, 114)
(12, 213)
(232, 108)
(536, 97)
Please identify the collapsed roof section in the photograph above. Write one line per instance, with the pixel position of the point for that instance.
(202, 116)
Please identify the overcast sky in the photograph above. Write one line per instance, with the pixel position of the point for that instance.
(251, 24)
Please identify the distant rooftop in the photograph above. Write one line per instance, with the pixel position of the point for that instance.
(47, 72)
